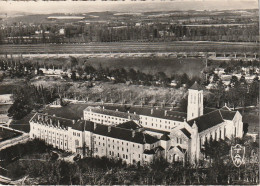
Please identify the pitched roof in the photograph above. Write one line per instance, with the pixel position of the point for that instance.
(196, 86)
(158, 131)
(227, 115)
(187, 133)
(181, 149)
(146, 151)
(207, 121)
(50, 120)
(120, 133)
(135, 111)
(131, 125)
(212, 118)
(165, 137)
(115, 112)
(160, 148)
(114, 132)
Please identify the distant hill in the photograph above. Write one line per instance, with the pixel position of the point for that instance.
(137, 6)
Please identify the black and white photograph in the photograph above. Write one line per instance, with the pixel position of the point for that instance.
(129, 92)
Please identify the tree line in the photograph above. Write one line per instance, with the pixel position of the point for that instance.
(97, 32)
(215, 168)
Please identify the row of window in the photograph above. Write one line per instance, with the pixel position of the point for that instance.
(124, 156)
(105, 116)
(99, 143)
(76, 134)
(215, 138)
(49, 132)
(145, 124)
(117, 141)
(50, 140)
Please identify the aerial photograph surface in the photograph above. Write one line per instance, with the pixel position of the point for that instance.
(129, 92)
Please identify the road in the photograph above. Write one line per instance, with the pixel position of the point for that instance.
(129, 47)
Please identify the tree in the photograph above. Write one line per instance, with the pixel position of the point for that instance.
(73, 76)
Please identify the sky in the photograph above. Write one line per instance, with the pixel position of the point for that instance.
(44, 7)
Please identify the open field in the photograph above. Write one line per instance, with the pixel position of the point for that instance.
(130, 47)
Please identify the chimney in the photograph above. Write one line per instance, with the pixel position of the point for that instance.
(95, 126)
(134, 112)
(73, 122)
(165, 113)
(116, 110)
(59, 123)
(185, 120)
(54, 115)
(39, 117)
(109, 128)
(133, 133)
(50, 121)
(103, 107)
(81, 118)
(128, 111)
(151, 111)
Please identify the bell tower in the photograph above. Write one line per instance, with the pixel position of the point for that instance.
(195, 102)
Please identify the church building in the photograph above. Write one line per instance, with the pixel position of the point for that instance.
(139, 134)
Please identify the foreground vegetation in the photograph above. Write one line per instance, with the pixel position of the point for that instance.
(42, 166)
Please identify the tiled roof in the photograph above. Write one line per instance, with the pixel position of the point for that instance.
(131, 125)
(135, 111)
(187, 133)
(160, 148)
(159, 113)
(120, 133)
(165, 137)
(146, 151)
(212, 118)
(49, 120)
(158, 131)
(227, 115)
(181, 149)
(207, 120)
(114, 132)
(115, 113)
(196, 86)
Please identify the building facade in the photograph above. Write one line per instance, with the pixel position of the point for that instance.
(140, 134)
(98, 140)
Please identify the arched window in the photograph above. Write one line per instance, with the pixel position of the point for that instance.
(215, 135)
(219, 133)
(235, 131)
(224, 132)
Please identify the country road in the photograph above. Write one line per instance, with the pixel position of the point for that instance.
(129, 47)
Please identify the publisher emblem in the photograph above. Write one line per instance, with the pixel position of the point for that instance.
(237, 154)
